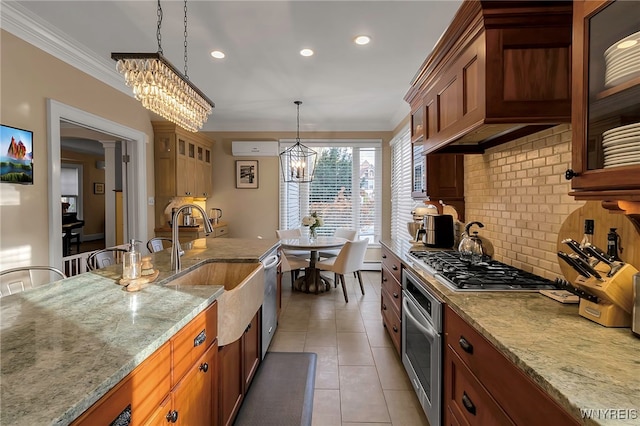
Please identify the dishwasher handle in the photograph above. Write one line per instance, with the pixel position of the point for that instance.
(270, 261)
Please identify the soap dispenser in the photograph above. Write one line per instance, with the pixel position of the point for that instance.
(132, 262)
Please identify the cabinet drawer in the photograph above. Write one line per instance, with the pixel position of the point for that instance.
(523, 400)
(391, 262)
(393, 288)
(391, 319)
(221, 231)
(466, 397)
(142, 390)
(193, 340)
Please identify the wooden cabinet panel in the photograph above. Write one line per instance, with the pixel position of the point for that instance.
(500, 71)
(192, 396)
(391, 320)
(392, 263)
(466, 397)
(230, 381)
(598, 107)
(251, 349)
(523, 400)
(142, 390)
(193, 340)
(392, 287)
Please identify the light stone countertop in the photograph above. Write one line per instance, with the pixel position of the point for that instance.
(580, 364)
(64, 345)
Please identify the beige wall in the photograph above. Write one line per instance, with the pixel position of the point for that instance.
(28, 77)
(518, 191)
(255, 212)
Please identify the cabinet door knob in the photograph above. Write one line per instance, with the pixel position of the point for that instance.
(204, 367)
(395, 295)
(468, 404)
(570, 174)
(384, 279)
(465, 345)
(172, 416)
(395, 329)
(384, 256)
(394, 267)
(384, 307)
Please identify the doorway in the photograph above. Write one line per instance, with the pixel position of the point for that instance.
(134, 204)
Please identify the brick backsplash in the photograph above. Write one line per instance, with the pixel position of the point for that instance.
(518, 191)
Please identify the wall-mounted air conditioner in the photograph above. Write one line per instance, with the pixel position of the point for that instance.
(254, 148)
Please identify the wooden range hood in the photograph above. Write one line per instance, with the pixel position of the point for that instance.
(501, 71)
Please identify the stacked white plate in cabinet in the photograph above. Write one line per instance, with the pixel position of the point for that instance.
(622, 60)
(621, 146)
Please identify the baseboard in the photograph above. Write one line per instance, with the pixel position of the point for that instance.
(371, 266)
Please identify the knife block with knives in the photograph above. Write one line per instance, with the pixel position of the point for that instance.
(606, 292)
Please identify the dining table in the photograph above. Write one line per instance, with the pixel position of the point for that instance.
(312, 281)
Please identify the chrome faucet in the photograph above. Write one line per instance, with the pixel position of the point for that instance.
(175, 242)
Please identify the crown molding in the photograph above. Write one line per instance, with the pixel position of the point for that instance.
(29, 27)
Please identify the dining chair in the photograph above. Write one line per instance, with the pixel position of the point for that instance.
(347, 234)
(296, 260)
(16, 280)
(350, 259)
(158, 244)
(105, 257)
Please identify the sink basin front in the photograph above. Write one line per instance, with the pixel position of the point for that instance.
(242, 297)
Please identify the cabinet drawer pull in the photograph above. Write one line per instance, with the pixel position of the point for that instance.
(384, 307)
(468, 404)
(204, 367)
(395, 329)
(465, 345)
(394, 267)
(172, 416)
(384, 279)
(200, 338)
(384, 256)
(396, 295)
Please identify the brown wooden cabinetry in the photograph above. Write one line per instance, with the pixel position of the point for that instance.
(481, 386)
(239, 362)
(603, 103)
(178, 381)
(499, 72)
(391, 296)
(182, 162)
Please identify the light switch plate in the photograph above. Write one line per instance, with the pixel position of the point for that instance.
(151, 201)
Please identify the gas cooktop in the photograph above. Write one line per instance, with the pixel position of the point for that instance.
(449, 268)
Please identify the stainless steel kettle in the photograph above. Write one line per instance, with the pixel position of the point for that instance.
(474, 248)
(215, 215)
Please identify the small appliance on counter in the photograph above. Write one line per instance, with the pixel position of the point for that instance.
(438, 231)
(474, 248)
(215, 215)
(604, 284)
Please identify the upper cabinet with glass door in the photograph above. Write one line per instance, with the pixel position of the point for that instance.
(606, 103)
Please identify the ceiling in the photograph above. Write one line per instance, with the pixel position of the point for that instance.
(343, 87)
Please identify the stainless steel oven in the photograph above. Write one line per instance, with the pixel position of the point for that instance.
(422, 344)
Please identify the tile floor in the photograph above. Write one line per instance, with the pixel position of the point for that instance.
(360, 379)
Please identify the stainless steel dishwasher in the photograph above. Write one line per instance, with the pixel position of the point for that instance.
(270, 303)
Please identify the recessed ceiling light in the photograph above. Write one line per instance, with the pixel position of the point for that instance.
(306, 52)
(362, 39)
(218, 54)
(626, 44)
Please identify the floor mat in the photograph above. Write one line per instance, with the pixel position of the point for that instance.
(281, 393)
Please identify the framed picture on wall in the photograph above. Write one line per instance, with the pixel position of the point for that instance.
(247, 174)
(98, 188)
(16, 155)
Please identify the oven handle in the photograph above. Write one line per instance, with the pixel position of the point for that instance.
(429, 331)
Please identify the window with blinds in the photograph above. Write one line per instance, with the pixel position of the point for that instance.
(69, 187)
(401, 201)
(345, 191)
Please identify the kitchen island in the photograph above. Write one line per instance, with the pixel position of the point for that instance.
(593, 372)
(65, 345)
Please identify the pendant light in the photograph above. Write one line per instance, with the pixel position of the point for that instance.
(161, 88)
(298, 162)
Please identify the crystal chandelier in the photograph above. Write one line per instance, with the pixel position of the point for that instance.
(161, 88)
(298, 162)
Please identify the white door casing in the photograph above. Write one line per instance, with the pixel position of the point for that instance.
(136, 182)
